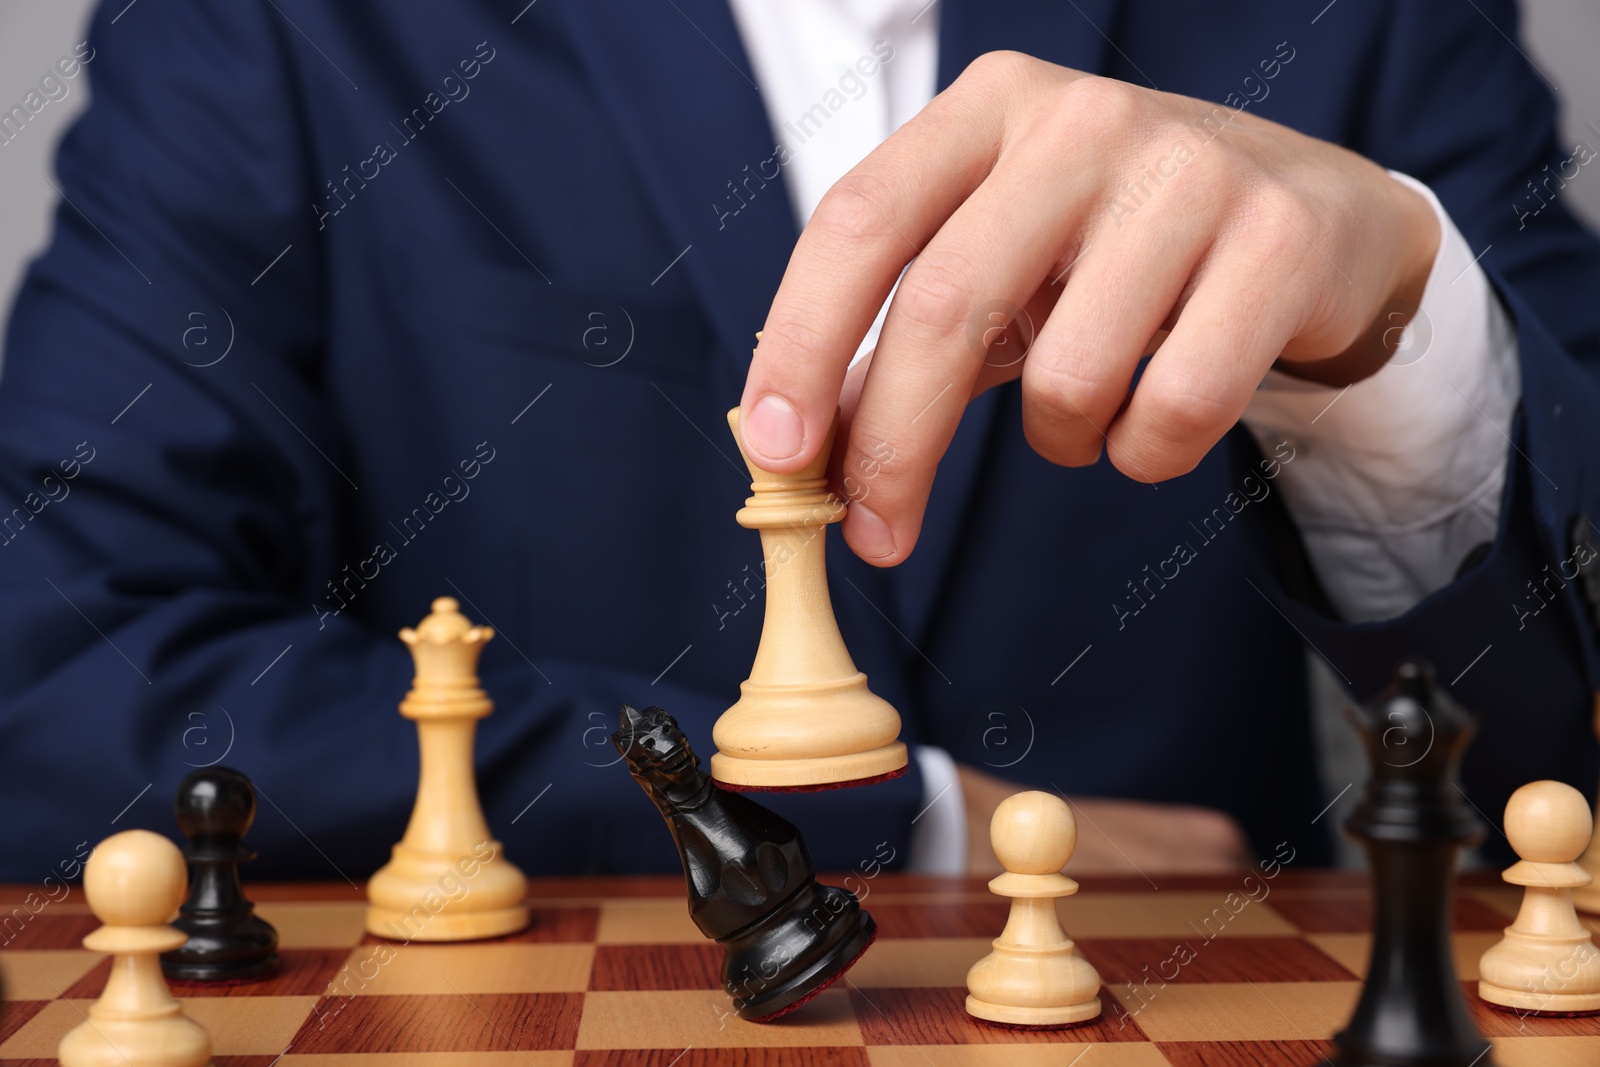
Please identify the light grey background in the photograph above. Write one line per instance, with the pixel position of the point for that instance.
(1562, 38)
(33, 35)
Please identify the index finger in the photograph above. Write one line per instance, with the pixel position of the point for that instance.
(866, 228)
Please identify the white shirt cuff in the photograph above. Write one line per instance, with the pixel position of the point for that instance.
(939, 832)
(1395, 479)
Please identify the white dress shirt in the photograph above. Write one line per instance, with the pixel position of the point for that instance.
(1394, 479)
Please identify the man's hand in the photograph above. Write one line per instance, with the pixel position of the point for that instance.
(1115, 836)
(1118, 219)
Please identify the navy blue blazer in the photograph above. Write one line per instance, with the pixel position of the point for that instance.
(354, 305)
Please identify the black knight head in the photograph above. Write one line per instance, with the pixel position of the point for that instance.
(659, 756)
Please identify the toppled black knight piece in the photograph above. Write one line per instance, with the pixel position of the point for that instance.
(751, 882)
(228, 941)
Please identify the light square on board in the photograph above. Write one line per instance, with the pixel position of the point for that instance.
(43, 975)
(239, 1026)
(693, 1018)
(1260, 1011)
(1124, 1054)
(489, 967)
(919, 962)
(1546, 1051)
(1354, 951)
(646, 922)
(322, 924)
(1178, 913)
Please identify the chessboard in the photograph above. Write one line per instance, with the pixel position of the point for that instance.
(1197, 971)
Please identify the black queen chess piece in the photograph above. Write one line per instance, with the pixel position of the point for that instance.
(1413, 821)
(228, 941)
(751, 882)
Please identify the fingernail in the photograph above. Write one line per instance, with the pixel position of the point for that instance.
(775, 430)
(869, 535)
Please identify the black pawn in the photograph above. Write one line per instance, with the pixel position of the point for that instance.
(752, 884)
(1413, 822)
(228, 941)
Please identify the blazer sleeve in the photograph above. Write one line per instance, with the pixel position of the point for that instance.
(173, 481)
(1455, 103)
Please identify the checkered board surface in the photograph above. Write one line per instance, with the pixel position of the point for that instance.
(613, 972)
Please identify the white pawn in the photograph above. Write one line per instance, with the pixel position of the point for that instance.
(1034, 976)
(1547, 961)
(134, 882)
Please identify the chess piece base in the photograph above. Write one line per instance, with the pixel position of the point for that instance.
(189, 971)
(1011, 1015)
(222, 947)
(421, 896)
(175, 1041)
(802, 773)
(1538, 1003)
(768, 1004)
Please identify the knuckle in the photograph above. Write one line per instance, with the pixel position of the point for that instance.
(856, 208)
(1004, 67)
(936, 292)
(1104, 105)
(1060, 387)
(1280, 221)
(1187, 415)
(1056, 416)
(1169, 436)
